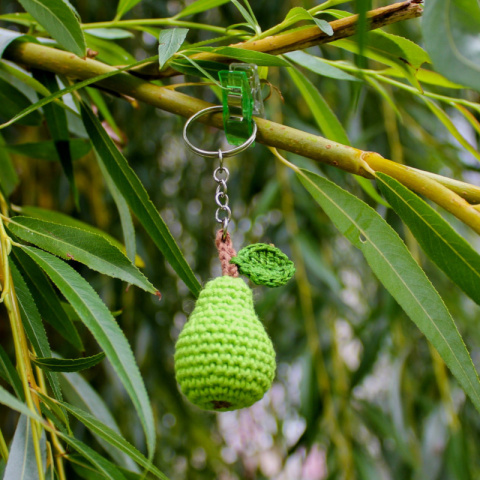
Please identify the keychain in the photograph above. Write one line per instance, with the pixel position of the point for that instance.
(224, 359)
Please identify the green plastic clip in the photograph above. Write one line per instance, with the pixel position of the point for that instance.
(241, 97)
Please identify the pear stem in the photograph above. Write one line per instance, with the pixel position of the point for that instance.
(226, 251)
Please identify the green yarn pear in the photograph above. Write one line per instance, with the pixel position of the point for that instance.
(224, 359)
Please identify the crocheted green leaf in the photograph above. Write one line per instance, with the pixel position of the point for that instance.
(264, 265)
(224, 359)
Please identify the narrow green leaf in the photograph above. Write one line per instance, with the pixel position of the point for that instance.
(323, 114)
(57, 123)
(328, 122)
(324, 26)
(52, 364)
(249, 56)
(125, 216)
(113, 438)
(8, 175)
(450, 126)
(200, 6)
(169, 42)
(72, 243)
(450, 30)
(59, 19)
(104, 466)
(124, 6)
(46, 299)
(361, 8)
(13, 101)
(317, 65)
(248, 15)
(107, 468)
(33, 325)
(58, 217)
(10, 375)
(7, 399)
(22, 464)
(451, 252)
(98, 319)
(79, 392)
(70, 89)
(109, 33)
(393, 264)
(45, 150)
(137, 197)
(297, 14)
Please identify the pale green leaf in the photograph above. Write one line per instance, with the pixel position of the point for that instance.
(109, 33)
(451, 127)
(60, 20)
(124, 212)
(393, 264)
(98, 319)
(169, 42)
(22, 464)
(450, 30)
(72, 243)
(324, 26)
(79, 392)
(137, 197)
(109, 470)
(451, 252)
(318, 66)
(200, 6)
(112, 437)
(53, 364)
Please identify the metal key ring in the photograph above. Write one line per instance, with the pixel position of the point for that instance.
(211, 153)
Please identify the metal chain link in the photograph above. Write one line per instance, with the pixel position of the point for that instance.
(220, 175)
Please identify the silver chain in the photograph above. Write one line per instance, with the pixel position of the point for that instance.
(220, 175)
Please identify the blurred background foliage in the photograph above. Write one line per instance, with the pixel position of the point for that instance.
(359, 393)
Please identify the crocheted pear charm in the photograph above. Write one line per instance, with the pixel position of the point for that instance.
(224, 359)
(264, 265)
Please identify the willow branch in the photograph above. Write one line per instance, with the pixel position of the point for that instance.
(307, 37)
(453, 195)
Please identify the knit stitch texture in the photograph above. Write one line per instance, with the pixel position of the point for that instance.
(264, 265)
(224, 359)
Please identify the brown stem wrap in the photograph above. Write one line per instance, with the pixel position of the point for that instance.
(225, 253)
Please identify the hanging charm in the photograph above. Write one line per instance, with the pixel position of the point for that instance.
(224, 359)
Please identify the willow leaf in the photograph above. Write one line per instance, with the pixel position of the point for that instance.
(395, 267)
(53, 364)
(72, 243)
(98, 319)
(451, 252)
(137, 197)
